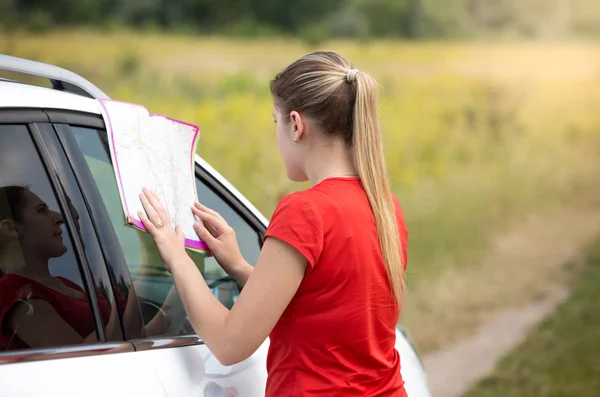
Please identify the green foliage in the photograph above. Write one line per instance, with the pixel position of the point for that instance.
(9, 22)
(317, 20)
(249, 28)
(40, 22)
(313, 35)
(386, 18)
(468, 144)
(348, 22)
(238, 84)
(129, 63)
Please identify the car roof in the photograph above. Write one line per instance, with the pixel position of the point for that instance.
(19, 95)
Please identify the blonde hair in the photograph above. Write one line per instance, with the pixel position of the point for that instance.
(343, 101)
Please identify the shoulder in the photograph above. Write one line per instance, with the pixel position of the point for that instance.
(307, 201)
(298, 221)
(13, 284)
(12, 279)
(298, 202)
(14, 287)
(303, 196)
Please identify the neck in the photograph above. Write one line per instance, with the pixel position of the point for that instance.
(328, 160)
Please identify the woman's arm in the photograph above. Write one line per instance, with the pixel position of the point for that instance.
(234, 335)
(241, 273)
(231, 335)
(38, 324)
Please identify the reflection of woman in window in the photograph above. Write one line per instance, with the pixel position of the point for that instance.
(36, 308)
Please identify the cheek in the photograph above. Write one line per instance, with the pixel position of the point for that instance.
(281, 133)
(37, 226)
(284, 144)
(278, 135)
(282, 141)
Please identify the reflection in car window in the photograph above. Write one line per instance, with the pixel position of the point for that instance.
(247, 238)
(43, 301)
(153, 284)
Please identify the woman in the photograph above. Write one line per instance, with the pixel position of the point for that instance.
(329, 279)
(31, 299)
(38, 309)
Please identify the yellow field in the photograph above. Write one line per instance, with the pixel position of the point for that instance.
(477, 135)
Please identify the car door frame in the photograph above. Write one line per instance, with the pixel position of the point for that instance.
(36, 120)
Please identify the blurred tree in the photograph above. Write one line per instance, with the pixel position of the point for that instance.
(387, 18)
(319, 18)
(60, 11)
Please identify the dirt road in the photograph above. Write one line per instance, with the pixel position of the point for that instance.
(553, 241)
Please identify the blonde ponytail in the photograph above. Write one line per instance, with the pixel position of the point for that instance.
(369, 161)
(324, 86)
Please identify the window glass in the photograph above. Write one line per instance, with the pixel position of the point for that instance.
(43, 300)
(153, 284)
(247, 238)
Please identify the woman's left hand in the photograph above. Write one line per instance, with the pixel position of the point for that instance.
(169, 241)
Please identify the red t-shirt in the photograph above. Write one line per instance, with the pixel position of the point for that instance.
(337, 335)
(75, 311)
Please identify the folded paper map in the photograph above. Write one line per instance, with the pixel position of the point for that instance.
(156, 152)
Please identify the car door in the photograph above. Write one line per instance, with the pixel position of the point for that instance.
(184, 365)
(45, 224)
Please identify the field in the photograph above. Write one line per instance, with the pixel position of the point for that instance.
(479, 139)
(561, 357)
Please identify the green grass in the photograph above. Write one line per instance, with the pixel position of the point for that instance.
(562, 356)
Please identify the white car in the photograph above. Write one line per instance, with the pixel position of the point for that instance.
(53, 141)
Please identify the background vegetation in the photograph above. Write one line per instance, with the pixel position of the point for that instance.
(477, 136)
(315, 20)
(489, 112)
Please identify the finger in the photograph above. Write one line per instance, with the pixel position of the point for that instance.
(158, 206)
(207, 210)
(204, 208)
(147, 223)
(210, 220)
(203, 233)
(153, 216)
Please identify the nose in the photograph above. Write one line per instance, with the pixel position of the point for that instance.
(58, 218)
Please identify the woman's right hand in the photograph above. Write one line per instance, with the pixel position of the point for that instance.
(219, 237)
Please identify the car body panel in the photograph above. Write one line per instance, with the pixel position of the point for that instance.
(18, 95)
(194, 371)
(117, 374)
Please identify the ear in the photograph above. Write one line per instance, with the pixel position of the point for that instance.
(298, 125)
(8, 228)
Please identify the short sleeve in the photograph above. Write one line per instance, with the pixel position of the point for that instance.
(15, 289)
(297, 221)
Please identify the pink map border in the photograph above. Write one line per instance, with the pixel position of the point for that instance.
(196, 245)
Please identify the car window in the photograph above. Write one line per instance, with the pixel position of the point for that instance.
(247, 237)
(43, 299)
(153, 284)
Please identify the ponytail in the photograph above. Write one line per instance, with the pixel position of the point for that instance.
(324, 86)
(369, 160)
